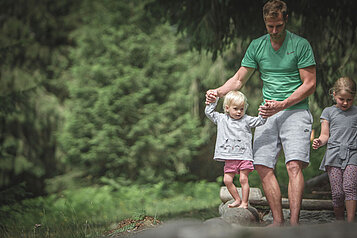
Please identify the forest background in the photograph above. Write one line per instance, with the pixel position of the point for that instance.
(102, 102)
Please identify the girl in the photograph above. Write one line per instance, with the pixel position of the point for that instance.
(339, 132)
(234, 142)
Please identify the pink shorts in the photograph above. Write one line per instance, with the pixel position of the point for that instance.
(234, 166)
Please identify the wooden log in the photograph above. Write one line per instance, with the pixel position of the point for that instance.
(254, 194)
(256, 198)
(307, 204)
(317, 181)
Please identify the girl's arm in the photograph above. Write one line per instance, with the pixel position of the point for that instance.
(324, 135)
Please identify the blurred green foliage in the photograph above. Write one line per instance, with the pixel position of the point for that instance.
(33, 53)
(97, 96)
(133, 90)
(213, 26)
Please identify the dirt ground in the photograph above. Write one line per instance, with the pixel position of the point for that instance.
(131, 226)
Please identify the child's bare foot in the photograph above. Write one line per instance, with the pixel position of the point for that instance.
(234, 204)
(243, 205)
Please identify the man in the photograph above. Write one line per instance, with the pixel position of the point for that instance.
(287, 67)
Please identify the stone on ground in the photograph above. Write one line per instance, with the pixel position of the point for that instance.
(239, 216)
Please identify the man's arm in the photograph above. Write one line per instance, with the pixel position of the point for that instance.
(234, 83)
(308, 86)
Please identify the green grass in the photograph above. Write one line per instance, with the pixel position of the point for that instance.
(90, 211)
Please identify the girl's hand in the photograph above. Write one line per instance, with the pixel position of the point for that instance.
(317, 143)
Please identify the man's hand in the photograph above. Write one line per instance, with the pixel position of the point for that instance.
(211, 96)
(271, 107)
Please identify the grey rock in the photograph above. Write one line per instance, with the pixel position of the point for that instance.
(239, 216)
(207, 231)
(223, 208)
(196, 229)
(316, 217)
(217, 222)
(170, 229)
(306, 217)
(269, 217)
(329, 230)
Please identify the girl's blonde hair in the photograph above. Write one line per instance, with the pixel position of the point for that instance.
(235, 98)
(344, 84)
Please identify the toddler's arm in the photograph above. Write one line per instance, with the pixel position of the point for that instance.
(210, 111)
(256, 121)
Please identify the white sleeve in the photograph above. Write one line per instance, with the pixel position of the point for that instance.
(256, 121)
(211, 113)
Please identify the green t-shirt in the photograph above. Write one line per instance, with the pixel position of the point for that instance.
(279, 69)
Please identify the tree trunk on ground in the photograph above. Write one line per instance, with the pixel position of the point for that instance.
(317, 181)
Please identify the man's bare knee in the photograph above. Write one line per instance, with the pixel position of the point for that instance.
(263, 170)
(294, 168)
(260, 167)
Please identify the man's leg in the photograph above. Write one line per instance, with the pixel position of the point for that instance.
(272, 192)
(295, 132)
(295, 189)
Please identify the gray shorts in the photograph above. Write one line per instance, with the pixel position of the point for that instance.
(290, 130)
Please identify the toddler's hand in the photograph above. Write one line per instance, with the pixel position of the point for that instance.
(211, 96)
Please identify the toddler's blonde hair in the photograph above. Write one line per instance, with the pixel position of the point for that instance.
(235, 98)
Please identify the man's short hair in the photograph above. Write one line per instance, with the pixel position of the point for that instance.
(273, 8)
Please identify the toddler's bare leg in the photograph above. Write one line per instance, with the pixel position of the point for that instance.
(228, 181)
(243, 179)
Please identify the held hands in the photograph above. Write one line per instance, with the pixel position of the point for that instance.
(317, 143)
(270, 108)
(211, 96)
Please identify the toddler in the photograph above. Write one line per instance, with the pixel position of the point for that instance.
(234, 142)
